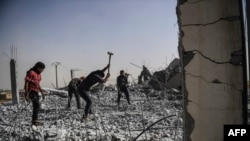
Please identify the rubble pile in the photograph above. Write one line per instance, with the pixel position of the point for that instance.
(167, 78)
(154, 116)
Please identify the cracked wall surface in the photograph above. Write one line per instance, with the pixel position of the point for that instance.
(210, 30)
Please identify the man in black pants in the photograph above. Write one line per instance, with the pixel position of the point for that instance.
(122, 83)
(84, 88)
(72, 89)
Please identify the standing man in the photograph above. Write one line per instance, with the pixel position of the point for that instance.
(72, 89)
(122, 85)
(145, 75)
(84, 88)
(32, 88)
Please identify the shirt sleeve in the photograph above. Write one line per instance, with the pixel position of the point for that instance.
(30, 76)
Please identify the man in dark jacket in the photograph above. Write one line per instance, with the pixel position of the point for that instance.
(84, 88)
(122, 85)
(72, 89)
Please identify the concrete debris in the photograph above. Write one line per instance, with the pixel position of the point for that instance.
(153, 114)
(168, 78)
(50, 91)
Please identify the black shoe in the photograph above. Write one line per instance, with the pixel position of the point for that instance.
(84, 118)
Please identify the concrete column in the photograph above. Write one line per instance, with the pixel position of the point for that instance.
(210, 30)
(14, 89)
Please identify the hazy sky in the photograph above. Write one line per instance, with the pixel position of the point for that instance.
(79, 33)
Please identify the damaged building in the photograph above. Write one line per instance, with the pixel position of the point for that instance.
(167, 78)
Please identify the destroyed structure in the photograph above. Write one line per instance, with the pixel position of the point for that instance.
(167, 78)
(210, 31)
(154, 114)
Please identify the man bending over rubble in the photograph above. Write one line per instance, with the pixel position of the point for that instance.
(72, 89)
(84, 88)
(122, 83)
(32, 88)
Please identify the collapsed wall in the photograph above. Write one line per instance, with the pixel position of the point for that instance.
(168, 78)
(210, 34)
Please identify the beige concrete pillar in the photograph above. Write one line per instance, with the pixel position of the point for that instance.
(210, 30)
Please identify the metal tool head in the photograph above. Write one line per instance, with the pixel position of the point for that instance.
(110, 53)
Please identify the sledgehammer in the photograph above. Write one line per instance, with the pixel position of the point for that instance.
(109, 53)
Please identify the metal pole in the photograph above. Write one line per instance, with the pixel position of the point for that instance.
(136, 65)
(151, 126)
(56, 64)
(72, 72)
(56, 78)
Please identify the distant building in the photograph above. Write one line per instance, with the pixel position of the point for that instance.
(5, 95)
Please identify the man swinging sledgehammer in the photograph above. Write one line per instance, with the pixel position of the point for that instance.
(93, 78)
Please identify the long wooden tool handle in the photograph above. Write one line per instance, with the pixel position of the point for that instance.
(109, 63)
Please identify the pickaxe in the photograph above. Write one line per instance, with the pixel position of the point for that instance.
(109, 53)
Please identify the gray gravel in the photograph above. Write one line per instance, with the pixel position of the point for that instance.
(109, 122)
